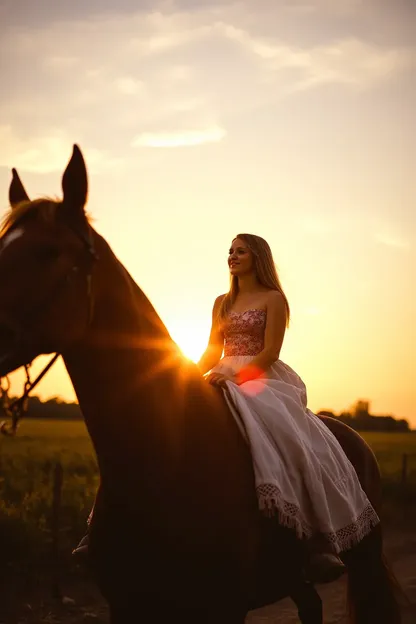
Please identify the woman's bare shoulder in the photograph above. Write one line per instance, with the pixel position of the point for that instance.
(218, 301)
(273, 296)
(275, 303)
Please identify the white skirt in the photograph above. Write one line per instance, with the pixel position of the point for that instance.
(302, 474)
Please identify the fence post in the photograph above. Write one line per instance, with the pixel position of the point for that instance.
(55, 522)
(404, 468)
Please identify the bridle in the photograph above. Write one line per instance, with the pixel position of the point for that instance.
(17, 408)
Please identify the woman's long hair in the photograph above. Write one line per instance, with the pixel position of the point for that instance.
(266, 274)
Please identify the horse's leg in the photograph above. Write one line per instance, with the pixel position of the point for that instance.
(308, 602)
(372, 588)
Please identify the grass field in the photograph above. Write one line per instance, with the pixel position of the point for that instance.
(43, 441)
(389, 449)
(27, 464)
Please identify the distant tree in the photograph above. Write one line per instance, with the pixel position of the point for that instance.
(358, 418)
(402, 425)
(55, 409)
(361, 409)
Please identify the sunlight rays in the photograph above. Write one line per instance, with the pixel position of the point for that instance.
(166, 355)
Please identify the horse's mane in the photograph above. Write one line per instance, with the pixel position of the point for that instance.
(44, 209)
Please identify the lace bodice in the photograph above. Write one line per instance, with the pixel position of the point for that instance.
(244, 332)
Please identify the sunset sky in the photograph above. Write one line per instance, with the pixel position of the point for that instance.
(291, 119)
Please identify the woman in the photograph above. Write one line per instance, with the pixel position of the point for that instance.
(302, 474)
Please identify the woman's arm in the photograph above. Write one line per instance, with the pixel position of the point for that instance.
(273, 339)
(213, 352)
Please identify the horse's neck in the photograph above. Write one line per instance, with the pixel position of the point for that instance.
(124, 370)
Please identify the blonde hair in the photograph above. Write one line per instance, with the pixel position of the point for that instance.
(265, 270)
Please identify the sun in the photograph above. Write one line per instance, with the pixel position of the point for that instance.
(191, 341)
(191, 349)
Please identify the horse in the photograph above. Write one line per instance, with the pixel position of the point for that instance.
(176, 532)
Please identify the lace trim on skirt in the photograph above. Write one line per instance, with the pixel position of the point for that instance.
(272, 503)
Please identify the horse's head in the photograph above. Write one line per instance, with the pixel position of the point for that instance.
(46, 258)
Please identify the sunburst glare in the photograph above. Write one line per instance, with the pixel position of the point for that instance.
(191, 338)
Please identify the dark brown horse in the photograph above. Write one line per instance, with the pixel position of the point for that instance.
(176, 534)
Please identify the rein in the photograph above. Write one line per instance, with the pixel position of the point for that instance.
(16, 409)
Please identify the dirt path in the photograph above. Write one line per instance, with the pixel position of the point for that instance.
(85, 606)
(402, 555)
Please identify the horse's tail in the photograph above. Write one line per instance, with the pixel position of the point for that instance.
(373, 590)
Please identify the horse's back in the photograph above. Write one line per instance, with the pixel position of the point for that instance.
(360, 455)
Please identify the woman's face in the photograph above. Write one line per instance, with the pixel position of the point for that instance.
(240, 258)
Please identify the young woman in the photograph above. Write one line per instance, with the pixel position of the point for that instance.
(302, 474)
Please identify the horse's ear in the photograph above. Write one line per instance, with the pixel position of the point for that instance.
(17, 191)
(75, 184)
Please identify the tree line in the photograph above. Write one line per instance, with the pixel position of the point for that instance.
(55, 409)
(358, 416)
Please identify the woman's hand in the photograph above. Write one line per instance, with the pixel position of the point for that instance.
(218, 379)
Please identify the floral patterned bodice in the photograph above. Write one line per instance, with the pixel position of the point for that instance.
(244, 332)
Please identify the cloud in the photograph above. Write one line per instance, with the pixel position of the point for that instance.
(48, 154)
(338, 7)
(60, 62)
(129, 85)
(168, 39)
(175, 78)
(390, 239)
(180, 139)
(180, 72)
(350, 61)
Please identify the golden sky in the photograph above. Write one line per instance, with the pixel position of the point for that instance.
(291, 120)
